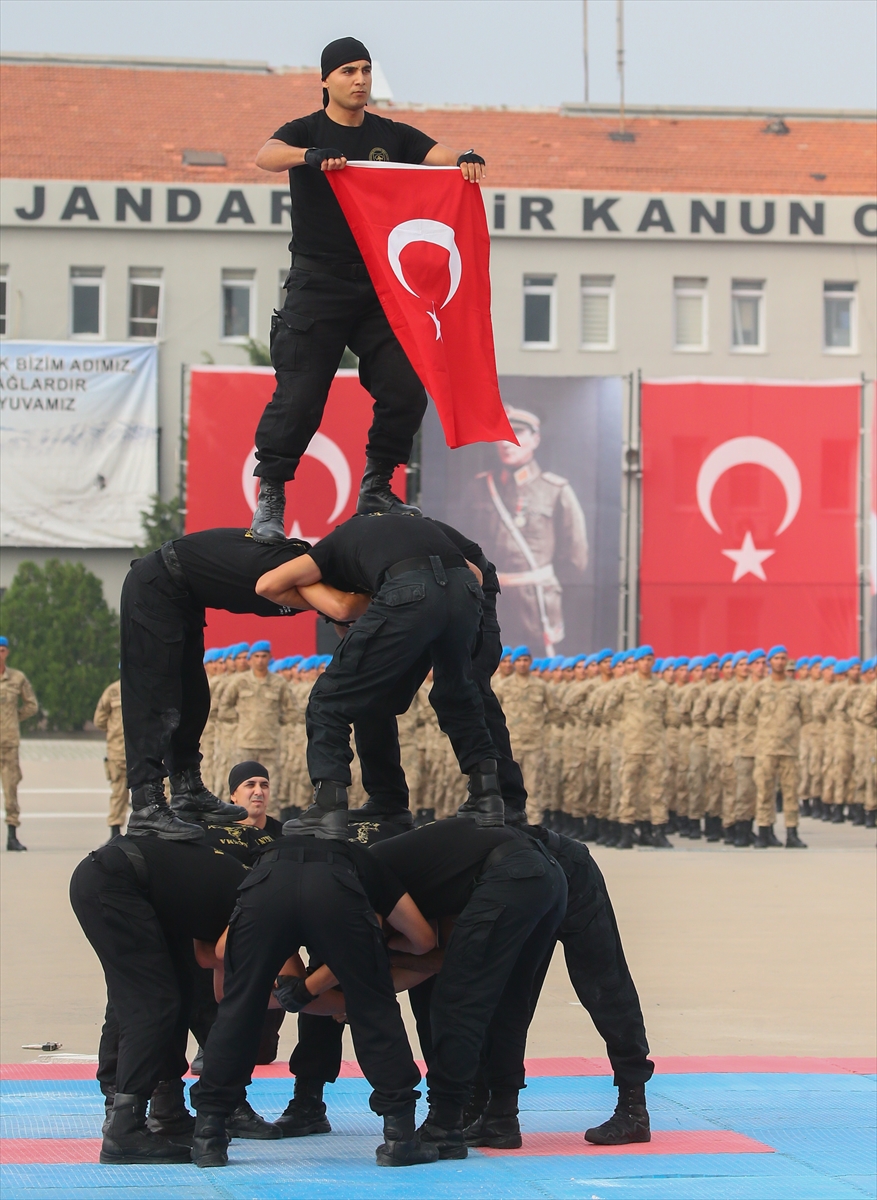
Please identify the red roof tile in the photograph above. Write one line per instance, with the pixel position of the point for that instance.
(72, 122)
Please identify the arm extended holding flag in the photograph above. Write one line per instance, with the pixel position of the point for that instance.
(277, 156)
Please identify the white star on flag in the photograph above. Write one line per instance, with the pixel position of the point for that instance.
(747, 560)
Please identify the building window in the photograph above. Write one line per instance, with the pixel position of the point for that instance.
(839, 318)
(689, 313)
(4, 276)
(598, 312)
(540, 312)
(238, 307)
(144, 302)
(747, 315)
(87, 302)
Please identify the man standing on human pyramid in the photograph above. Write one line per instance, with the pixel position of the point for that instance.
(330, 300)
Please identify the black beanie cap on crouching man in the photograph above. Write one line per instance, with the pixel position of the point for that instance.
(336, 54)
(245, 770)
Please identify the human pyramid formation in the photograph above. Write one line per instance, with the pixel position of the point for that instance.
(462, 913)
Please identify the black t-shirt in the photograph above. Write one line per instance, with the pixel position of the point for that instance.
(223, 566)
(242, 842)
(319, 227)
(383, 889)
(473, 552)
(355, 556)
(439, 863)
(192, 887)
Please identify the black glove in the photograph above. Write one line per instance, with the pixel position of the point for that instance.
(291, 993)
(470, 156)
(316, 158)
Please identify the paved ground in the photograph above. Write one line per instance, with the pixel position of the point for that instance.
(735, 953)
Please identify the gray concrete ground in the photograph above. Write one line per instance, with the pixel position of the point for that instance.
(733, 951)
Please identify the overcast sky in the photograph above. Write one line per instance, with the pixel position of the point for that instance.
(771, 53)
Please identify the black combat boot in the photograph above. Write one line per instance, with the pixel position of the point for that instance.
(871, 818)
(592, 829)
(713, 829)
(816, 808)
(827, 812)
(837, 817)
(793, 842)
(376, 810)
(306, 1113)
(12, 842)
(168, 1114)
(267, 523)
(477, 1102)
(766, 838)
(659, 838)
(109, 1092)
(152, 816)
(694, 831)
(209, 1141)
(625, 838)
(857, 814)
(443, 1128)
(629, 1122)
(245, 1122)
(498, 1125)
(192, 801)
(743, 834)
(804, 807)
(672, 822)
(645, 834)
(128, 1142)
(577, 829)
(327, 817)
(613, 834)
(375, 493)
(485, 805)
(729, 834)
(603, 830)
(402, 1145)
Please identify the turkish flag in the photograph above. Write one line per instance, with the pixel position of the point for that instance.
(423, 235)
(749, 516)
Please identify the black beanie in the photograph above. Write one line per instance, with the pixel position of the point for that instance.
(339, 52)
(244, 770)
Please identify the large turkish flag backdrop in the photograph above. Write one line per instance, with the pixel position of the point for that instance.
(749, 516)
(224, 408)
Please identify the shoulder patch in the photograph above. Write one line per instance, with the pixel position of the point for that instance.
(557, 480)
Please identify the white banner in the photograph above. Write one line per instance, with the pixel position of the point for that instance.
(78, 442)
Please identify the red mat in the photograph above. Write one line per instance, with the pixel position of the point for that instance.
(672, 1065)
(60, 1151)
(677, 1141)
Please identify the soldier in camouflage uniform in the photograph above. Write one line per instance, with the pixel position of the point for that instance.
(681, 679)
(832, 784)
(298, 784)
(721, 744)
(214, 669)
(842, 752)
(529, 707)
(737, 827)
(611, 718)
(236, 662)
(258, 704)
(528, 520)
(579, 774)
(108, 716)
(866, 747)
(552, 771)
(17, 703)
(822, 700)
(600, 751)
(705, 769)
(780, 707)
(809, 735)
(697, 748)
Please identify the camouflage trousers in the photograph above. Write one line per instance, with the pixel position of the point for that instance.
(838, 785)
(744, 796)
(698, 774)
(575, 781)
(811, 765)
(643, 794)
(117, 776)
(10, 777)
(772, 771)
(531, 763)
(715, 757)
(683, 758)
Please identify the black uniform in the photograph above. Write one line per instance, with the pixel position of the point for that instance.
(243, 842)
(510, 896)
(322, 895)
(165, 695)
(426, 611)
(331, 303)
(141, 927)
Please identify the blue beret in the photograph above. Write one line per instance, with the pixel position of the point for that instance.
(599, 657)
(681, 661)
(240, 648)
(841, 668)
(869, 664)
(506, 652)
(754, 654)
(777, 649)
(855, 661)
(726, 658)
(211, 655)
(829, 661)
(4, 641)
(520, 652)
(617, 657)
(589, 658)
(709, 659)
(642, 652)
(741, 654)
(260, 648)
(626, 654)
(697, 661)
(273, 664)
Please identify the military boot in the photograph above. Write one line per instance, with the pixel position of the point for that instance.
(375, 493)
(793, 842)
(306, 1113)
(729, 834)
(485, 804)
(613, 834)
(592, 829)
(871, 818)
(743, 834)
(267, 525)
(837, 817)
(625, 838)
(209, 1141)
(128, 1142)
(645, 834)
(766, 838)
(168, 1114)
(577, 829)
(109, 1092)
(659, 838)
(246, 1123)
(857, 814)
(498, 1125)
(192, 801)
(694, 830)
(827, 812)
(327, 817)
(376, 810)
(816, 808)
(602, 831)
(12, 842)
(402, 1145)
(152, 816)
(804, 806)
(713, 829)
(629, 1122)
(443, 1128)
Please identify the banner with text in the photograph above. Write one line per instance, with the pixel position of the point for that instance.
(79, 442)
(749, 516)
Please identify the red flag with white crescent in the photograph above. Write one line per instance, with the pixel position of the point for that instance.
(423, 235)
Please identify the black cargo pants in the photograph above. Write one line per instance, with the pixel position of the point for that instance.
(165, 694)
(322, 314)
(306, 897)
(427, 612)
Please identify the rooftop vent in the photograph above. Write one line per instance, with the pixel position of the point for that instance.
(817, 175)
(203, 158)
(776, 125)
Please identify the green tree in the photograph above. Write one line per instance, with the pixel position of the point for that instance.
(258, 353)
(64, 637)
(163, 522)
